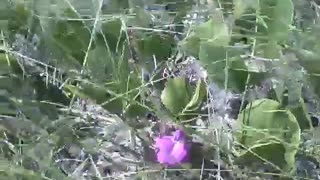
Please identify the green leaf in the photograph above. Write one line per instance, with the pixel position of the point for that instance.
(214, 32)
(190, 46)
(176, 95)
(72, 37)
(116, 6)
(21, 128)
(5, 14)
(7, 64)
(271, 49)
(113, 35)
(274, 19)
(181, 99)
(101, 64)
(264, 154)
(301, 113)
(99, 94)
(263, 122)
(308, 59)
(240, 6)
(142, 19)
(156, 45)
(278, 15)
(197, 98)
(218, 59)
(47, 8)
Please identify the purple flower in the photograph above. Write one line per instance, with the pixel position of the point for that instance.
(172, 150)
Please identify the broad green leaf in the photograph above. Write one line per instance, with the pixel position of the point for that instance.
(5, 14)
(176, 95)
(190, 46)
(181, 99)
(308, 59)
(291, 80)
(264, 153)
(264, 121)
(116, 97)
(99, 94)
(72, 37)
(197, 97)
(7, 64)
(213, 58)
(21, 128)
(218, 59)
(84, 8)
(113, 36)
(41, 152)
(142, 19)
(278, 17)
(116, 6)
(301, 113)
(12, 171)
(47, 8)
(239, 8)
(274, 19)
(214, 32)
(271, 49)
(100, 64)
(156, 45)
(18, 20)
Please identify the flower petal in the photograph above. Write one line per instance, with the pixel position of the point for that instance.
(180, 152)
(172, 150)
(164, 143)
(164, 146)
(179, 135)
(165, 158)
